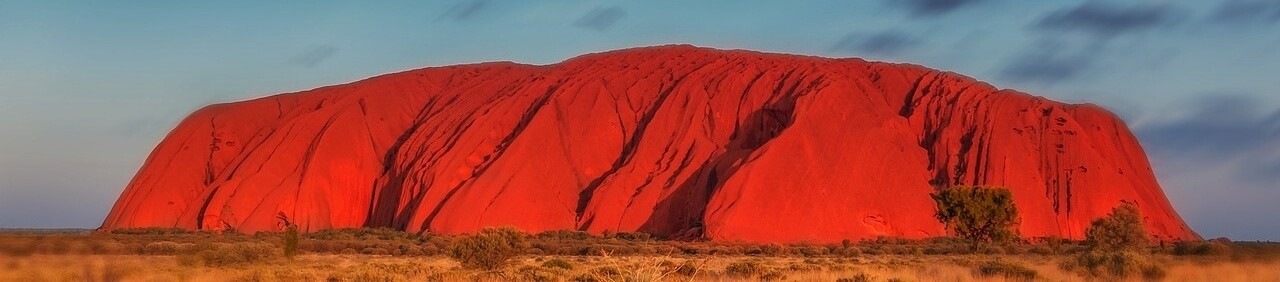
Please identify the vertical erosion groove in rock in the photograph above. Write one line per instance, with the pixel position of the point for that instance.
(679, 141)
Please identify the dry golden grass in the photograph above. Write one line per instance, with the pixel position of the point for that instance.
(381, 255)
(636, 268)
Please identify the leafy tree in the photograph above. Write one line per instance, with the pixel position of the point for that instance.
(978, 214)
(491, 249)
(1120, 230)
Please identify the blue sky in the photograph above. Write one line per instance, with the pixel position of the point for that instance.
(87, 88)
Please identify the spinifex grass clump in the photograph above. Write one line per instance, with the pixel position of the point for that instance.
(1008, 270)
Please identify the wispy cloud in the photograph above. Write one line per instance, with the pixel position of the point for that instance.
(601, 19)
(313, 56)
(924, 8)
(462, 11)
(880, 43)
(1107, 19)
(1073, 39)
(1247, 12)
(1215, 126)
(1224, 149)
(1049, 62)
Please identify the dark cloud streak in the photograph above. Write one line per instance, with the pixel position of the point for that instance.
(314, 56)
(1247, 12)
(1220, 163)
(1060, 56)
(462, 11)
(881, 43)
(601, 19)
(1219, 127)
(928, 8)
(1109, 19)
(1048, 62)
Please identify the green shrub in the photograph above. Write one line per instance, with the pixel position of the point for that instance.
(774, 250)
(1008, 270)
(490, 249)
(558, 263)
(1113, 265)
(1201, 248)
(531, 273)
(365, 234)
(563, 235)
(633, 236)
(151, 231)
(230, 255)
(1120, 230)
(978, 214)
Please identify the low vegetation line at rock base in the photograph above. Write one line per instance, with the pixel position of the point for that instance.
(383, 241)
(388, 255)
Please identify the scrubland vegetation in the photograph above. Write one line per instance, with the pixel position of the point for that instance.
(1116, 248)
(506, 255)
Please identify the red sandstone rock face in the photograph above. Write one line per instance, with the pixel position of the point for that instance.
(677, 141)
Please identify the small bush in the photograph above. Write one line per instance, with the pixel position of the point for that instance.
(860, 277)
(774, 250)
(365, 234)
(773, 275)
(1052, 244)
(745, 269)
(1120, 230)
(811, 251)
(1201, 248)
(633, 236)
(584, 277)
(1114, 265)
(375, 251)
(608, 272)
(151, 231)
(1008, 270)
(564, 235)
(490, 249)
(231, 255)
(558, 263)
(531, 273)
(161, 248)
